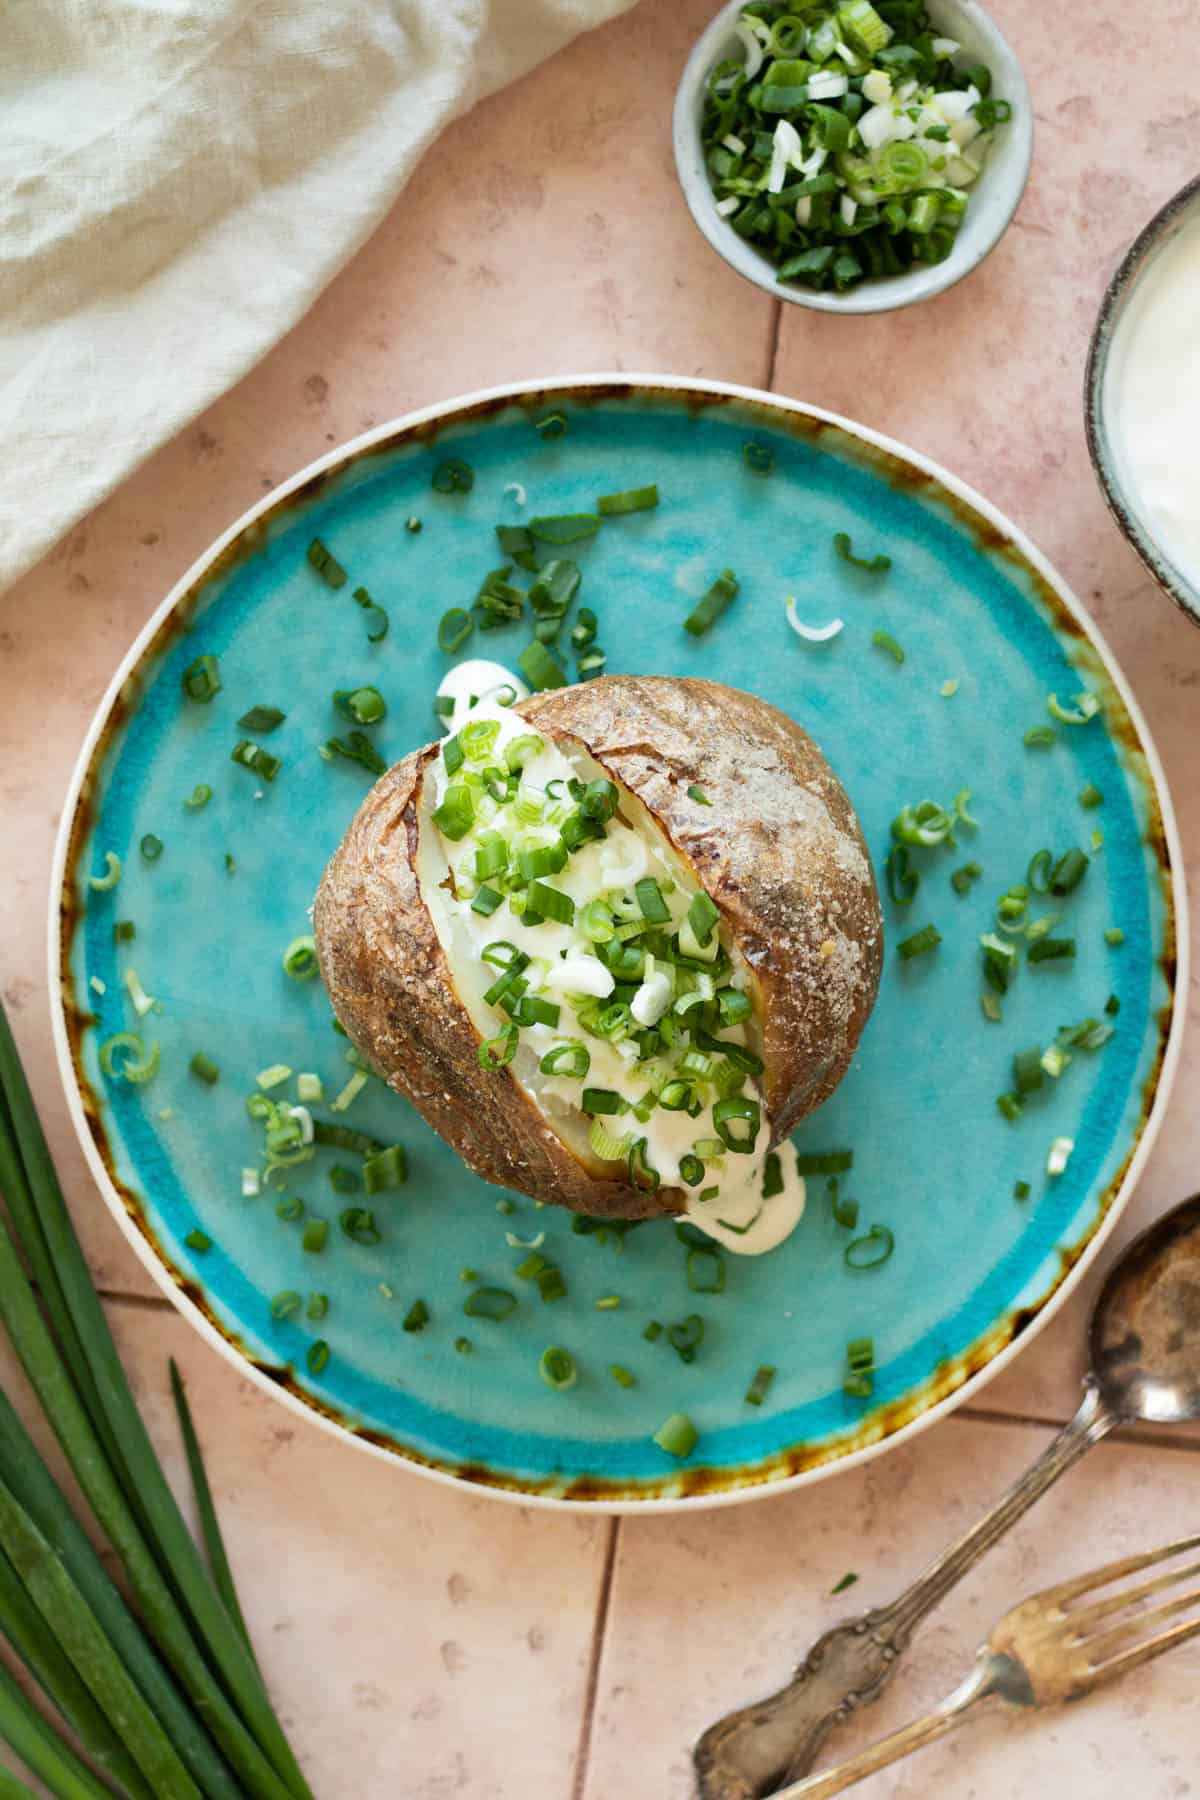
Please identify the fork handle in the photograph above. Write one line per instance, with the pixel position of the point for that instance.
(951, 1713)
(750, 1752)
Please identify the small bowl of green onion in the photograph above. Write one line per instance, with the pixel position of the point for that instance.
(853, 155)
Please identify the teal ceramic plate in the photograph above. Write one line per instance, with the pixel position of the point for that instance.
(974, 1269)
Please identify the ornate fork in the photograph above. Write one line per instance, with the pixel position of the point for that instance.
(1049, 1649)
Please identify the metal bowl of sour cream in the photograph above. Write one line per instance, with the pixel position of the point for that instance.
(1142, 397)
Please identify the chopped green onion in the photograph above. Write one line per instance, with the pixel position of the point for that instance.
(103, 884)
(875, 565)
(871, 1251)
(1090, 796)
(201, 680)
(1038, 874)
(630, 501)
(204, 1068)
(456, 814)
(286, 1305)
(1114, 936)
(758, 458)
(706, 1271)
(199, 797)
(677, 1435)
(1068, 872)
(928, 938)
(255, 758)
(327, 566)
(454, 628)
(557, 1368)
(564, 528)
(412, 524)
(708, 610)
(417, 1317)
(300, 959)
(571, 1059)
(1054, 1060)
(1010, 1106)
(540, 668)
(699, 796)
(490, 1303)
(377, 619)
(772, 1183)
(652, 1332)
(124, 1056)
(363, 706)
(317, 1357)
(654, 908)
(902, 880)
(151, 847)
(1060, 1155)
(318, 1306)
(1086, 707)
(825, 1162)
(1021, 1190)
(999, 961)
(622, 1376)
(759, 1387)
(1052, 950)
(316, 1232)
(848, 1580)
(1028, 1070)
(1040, 737)
(496, 1052)
(453, 477)
(260, 718)
(551, 903)
(198, 1240)
(962, 878)
(883, 640)
(359, 1225)
(554, 425)
(385, 1169)
(703, 916)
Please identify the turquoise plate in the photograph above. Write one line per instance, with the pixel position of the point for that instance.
(974, 1269)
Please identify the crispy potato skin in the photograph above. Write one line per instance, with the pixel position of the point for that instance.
(779, 850)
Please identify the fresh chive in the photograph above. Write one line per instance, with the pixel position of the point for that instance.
(551, 903)
(632, 500)
(703, 916)
(385, 1169)
(210, 1529)
(570, 1059)
(1028, 1072)
(919, 944)
(686, 1336)
(204, 1068)
(706, 1271)
(760, 1385)
(875, 565)
(318, 1307)
(261, 718)
(709, 609)
(358, 1223)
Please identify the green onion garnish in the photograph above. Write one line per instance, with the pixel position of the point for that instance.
(1040, 737)
(344, 1180)
(200, 796)
(708, 610)
(1010, 1106)
(772, 1183)
(760, 1385)
(962, 878)
(490, 1303)
(703, 916)
(254, 757)
(204, 1068)
(1038, 873)
(622, 1376)
(758, 458)
(553, 425)
(318, 1306)
(1021, 1190)
(919, 944)
(845, 1212)
(551, 903)
(453, 477)
(599, 1101)
(327, 566)
(456, 814)
(316, 1232)
(883, 640)
(999, 961)
(201, 680)
(699, 796)
(151, 847)
(557, 1368)
(198, 1240)
(1090, 796)
(848, 1580)
(317, 1357)
(1049, 949)
(300, 959)
(385, 1169)
(103, 884)
(1114, 936)
(630, 501)
(572, 1059)
(654, 908)
(417, 1317)
(286, 1305)
(454, 628)
(377, 619)
(825, 1162)
(686, 1337)
(496, 1052)
(652, 1332)
(1068, 872)
(564, 528)
(1028, 1071)
(871, 1251)
(902, 879)
(363, 705)
(875, 565)
(677, 1435)
(540, 668)
(359, 1225)
(706, 1271)
(1086, 707)
(860, 1364)
(261, 718)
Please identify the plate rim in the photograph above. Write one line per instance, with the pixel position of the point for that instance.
(397, 1455)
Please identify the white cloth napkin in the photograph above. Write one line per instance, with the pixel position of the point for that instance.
(178, 180)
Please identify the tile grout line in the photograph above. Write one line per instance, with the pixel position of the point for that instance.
(1125, 1434)
(773, 344)
(599, 1631)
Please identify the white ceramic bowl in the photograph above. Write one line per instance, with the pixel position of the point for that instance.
(994, 197)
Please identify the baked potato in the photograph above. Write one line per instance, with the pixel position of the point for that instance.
(612, 942)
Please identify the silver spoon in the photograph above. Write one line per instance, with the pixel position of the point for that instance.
(1144, 1347)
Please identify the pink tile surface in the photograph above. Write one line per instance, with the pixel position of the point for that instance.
(426, 1643)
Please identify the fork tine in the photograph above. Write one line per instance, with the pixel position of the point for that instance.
(1085, 1616)
(1144, 1653)
(1115, 1571)
(1138, 1624)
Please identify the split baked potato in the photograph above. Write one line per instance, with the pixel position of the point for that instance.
(611, 941)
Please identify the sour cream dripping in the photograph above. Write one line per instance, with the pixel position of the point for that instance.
(737, 1217)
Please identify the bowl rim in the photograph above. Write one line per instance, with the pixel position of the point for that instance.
(1117, 294)
(872, 296)
(167, 1279)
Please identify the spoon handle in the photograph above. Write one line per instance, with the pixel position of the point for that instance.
(749, 1753)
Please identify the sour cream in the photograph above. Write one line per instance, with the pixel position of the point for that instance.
(1152, 399)
(738, 1217)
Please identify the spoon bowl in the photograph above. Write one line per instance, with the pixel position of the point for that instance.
(1144, 1337)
